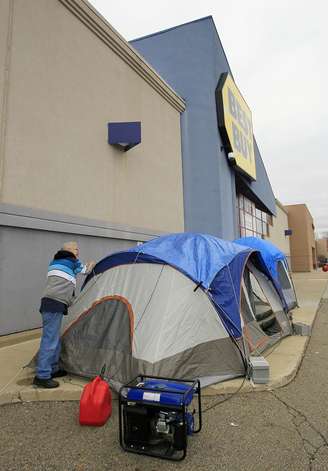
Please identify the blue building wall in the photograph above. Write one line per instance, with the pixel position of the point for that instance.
(191, 59)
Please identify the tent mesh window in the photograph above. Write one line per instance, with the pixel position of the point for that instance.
(263, 312)
(283, 276)
(252, 332)
(247, 312)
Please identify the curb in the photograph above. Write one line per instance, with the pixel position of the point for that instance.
(231, 387)
(249, 387)
(71, 388)
(67, 391)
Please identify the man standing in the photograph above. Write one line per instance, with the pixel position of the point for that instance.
(57, 296)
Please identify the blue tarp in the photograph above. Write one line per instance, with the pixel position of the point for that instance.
(270, 255)
(216, 265)
(269, 252)
(200, 256)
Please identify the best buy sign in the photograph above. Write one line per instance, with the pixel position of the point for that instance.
(235, 125)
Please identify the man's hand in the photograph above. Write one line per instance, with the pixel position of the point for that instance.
(90, 266)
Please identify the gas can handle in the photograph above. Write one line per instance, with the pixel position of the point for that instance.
(94, 384)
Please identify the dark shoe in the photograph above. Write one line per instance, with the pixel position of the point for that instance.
(45, 383)
(59, 374)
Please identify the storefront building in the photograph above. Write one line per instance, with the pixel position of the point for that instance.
(100, 147)
(90, 146)
(226, 189)
(302, 240)
(279, 232)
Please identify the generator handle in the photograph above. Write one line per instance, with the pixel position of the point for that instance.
(199, 408)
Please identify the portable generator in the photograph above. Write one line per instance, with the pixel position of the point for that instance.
(156, 416)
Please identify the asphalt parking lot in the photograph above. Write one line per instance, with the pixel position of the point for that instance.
(273, 430)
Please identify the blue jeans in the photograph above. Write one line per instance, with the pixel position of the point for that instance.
(49, 352)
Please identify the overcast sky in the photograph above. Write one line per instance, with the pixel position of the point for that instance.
(277, 51)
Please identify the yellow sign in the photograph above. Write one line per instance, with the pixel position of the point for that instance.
(235, 124)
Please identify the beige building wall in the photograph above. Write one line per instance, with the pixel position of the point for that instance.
(302, 240)
(5, 29)
(69, 75)
(277, 230)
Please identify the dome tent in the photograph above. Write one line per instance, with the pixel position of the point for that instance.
(276, 263)
(176, 306)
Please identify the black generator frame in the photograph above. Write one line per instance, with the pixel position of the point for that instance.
(123, 401)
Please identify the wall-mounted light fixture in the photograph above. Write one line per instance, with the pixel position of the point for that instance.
(288, 232)
(124, 135)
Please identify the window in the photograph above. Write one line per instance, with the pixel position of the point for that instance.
(248, 221)
(248, 206)
(241, 218)
(252, 221)
(258, 225)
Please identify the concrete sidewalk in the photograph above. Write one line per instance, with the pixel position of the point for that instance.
(284, 358)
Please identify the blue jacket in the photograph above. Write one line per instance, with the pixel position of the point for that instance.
(61, 282)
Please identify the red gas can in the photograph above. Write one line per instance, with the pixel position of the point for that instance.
(95, 403)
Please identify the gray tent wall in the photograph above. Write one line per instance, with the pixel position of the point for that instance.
(147, 318)
(173, 330)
